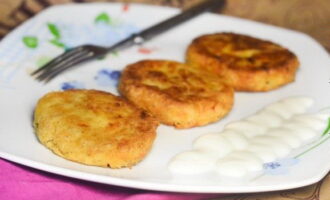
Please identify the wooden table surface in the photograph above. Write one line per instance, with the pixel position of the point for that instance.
(309, 16)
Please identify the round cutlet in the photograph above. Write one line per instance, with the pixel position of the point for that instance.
(94, 128)
(250, 64)
(176, 94)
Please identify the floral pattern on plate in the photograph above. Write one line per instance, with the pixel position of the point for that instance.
(53, 37)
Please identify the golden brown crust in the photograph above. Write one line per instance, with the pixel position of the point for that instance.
(250, 64)
(177, 95)
(94, 128)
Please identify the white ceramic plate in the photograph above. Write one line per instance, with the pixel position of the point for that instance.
(44, 37)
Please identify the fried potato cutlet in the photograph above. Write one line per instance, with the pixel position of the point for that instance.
(94, 128)
(176, 94)
(250, 64)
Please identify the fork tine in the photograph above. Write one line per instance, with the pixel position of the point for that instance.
(64, 62)
(60, 68)
(57, 60)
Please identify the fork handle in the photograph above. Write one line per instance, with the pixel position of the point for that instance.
(180, 18)
(166, 25)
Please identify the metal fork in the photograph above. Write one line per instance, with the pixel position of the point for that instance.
(85, 53)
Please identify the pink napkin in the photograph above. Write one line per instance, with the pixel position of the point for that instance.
(20, 182)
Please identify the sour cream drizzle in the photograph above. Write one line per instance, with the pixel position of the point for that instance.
(243, 146)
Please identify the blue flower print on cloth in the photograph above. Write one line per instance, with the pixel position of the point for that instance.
(279, 167)
(107, 77)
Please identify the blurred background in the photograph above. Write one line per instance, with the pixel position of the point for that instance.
(309, 16)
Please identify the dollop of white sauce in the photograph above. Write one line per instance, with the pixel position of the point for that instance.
(199, 161)
(244, 146)
(248, 129)
(214, 142)
(267, 118)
